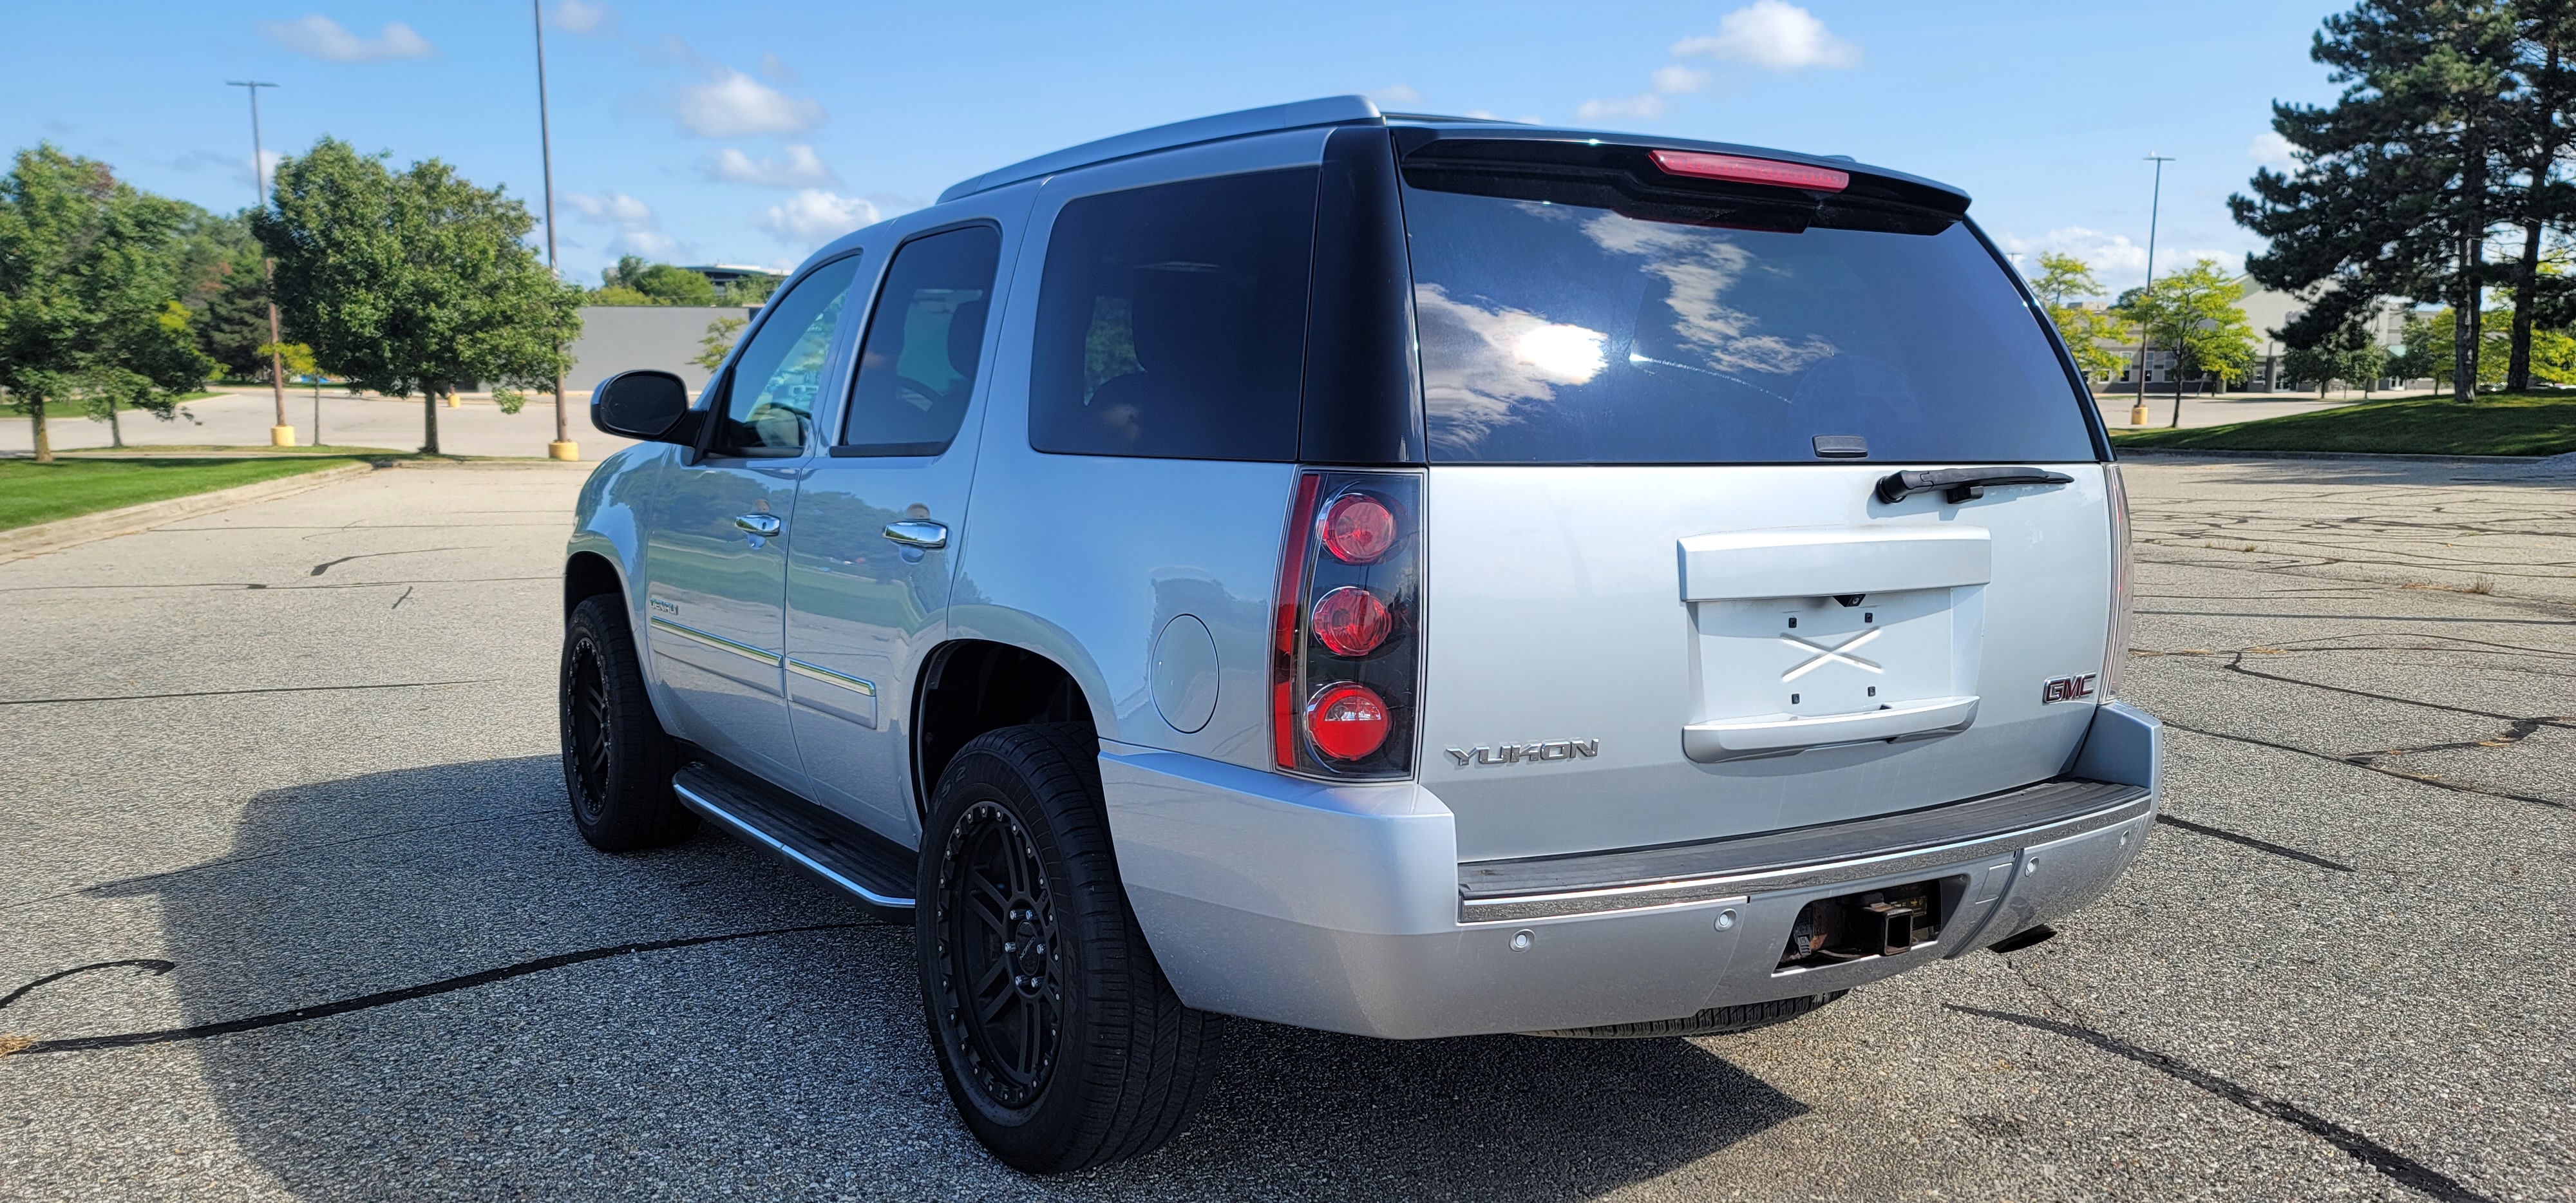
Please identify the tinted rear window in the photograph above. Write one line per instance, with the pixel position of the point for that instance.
(1559, 333)
(1172, 321)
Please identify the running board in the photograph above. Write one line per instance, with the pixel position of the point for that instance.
(867, 866)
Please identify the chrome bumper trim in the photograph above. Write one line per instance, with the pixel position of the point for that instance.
(1515, 908)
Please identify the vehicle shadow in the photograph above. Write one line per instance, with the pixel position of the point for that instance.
(787, 1063)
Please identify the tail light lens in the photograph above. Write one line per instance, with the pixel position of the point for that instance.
(2115, 649)
(1346, 639)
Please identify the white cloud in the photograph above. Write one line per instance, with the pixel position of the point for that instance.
(800, 169)
(776, 68)
(2116, 261)
(1401, 95)
(583, 16)
(813, 217)
(197, 161)
(1644, 106)
(638, 230)
(1773, 34)
(1677, 79)
(2270, 149)
(734, 104)
(323, 38)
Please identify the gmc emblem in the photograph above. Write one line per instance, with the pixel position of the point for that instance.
(2067, 689)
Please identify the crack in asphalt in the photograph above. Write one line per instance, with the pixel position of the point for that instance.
(2396, 1166)
(226, 693)
(156, 965)
(2363, 762)
(77, 1044)
(2221, 833)
(328, 565)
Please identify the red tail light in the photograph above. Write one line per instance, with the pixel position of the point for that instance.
(1357, 528)
(1741, 170)
(1346, 721)
(2115, 648)
(1345, 655)
(1352, 621)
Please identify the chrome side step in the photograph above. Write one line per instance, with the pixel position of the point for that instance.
(868, 867)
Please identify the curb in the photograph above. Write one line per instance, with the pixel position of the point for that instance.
(108, 524)
(2506, 461)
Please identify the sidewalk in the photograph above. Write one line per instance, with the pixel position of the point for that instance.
(2224, 408)
(241, 418)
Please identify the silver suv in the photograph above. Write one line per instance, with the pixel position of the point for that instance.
(1405, 576)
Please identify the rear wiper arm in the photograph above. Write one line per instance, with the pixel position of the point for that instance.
(1962, 484)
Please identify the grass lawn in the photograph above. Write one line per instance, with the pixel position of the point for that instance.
(31, 492)
(2494, 424)
(231, 452)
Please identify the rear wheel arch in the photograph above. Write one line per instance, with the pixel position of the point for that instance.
(971, 686)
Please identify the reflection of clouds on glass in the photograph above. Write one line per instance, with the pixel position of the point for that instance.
(1698, 266)
(1561, 354)
(1479, 363)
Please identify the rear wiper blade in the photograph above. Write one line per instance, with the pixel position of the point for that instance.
(1962, 484)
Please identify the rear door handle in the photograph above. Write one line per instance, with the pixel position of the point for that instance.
(766, 526)
(915, 532)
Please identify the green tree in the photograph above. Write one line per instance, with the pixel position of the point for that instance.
(717, 343)
(90, 280)
(2312, 365)
(2361, 361)
(2400, 181)
(2193, 313)
(749, 290)
(2064, 281)
(635, 282)
(413, 281)
(2540, 137)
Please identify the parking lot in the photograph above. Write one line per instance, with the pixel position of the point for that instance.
(291, 909)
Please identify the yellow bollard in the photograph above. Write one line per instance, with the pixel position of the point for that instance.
(281, 436)
(454, 401)
(2138, 415)
(565, 449)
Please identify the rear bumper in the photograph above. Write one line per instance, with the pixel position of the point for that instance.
(1342, 907)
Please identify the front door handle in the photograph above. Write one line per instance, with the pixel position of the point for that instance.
(766, 526)
(916, 532)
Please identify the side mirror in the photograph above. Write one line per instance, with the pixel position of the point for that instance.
(648, 405)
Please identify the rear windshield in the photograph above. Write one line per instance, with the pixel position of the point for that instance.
(1561, 334)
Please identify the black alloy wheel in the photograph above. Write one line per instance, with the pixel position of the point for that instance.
(1059, 1039)
(617, 760)
(1000, 984)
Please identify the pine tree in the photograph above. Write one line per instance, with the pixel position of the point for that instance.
(2400, 180)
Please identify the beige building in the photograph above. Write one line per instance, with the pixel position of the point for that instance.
(2266, 310)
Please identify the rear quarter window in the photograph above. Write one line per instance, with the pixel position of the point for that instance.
(1561, 333)
(1172, 320)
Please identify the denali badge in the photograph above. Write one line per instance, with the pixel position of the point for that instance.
(662, 607)
(1562, 749)
(2067, 689)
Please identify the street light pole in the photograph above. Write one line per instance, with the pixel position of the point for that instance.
(281, 435)
(2146, 340)
(563, 447)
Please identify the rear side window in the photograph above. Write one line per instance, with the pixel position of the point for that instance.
(1561, 333)
(1172, 320)
(925, 339)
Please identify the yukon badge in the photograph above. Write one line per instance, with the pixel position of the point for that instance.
(2067, 689)
(1562, 749)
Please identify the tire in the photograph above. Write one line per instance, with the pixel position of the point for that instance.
(1074, 1052)
(1715, 1021)
(617, 760)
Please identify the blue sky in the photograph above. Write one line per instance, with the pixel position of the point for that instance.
(754, 131)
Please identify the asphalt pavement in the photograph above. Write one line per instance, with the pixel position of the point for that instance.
(292, 909)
